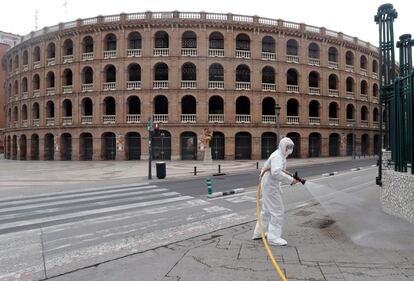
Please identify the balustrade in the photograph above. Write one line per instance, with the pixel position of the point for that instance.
(160, 84)
(292, 120)
(268, 87)
(243, 118)
(133, 85)
(268, 56)
(269, 119)
(188, 118)
(86, 119)
(192, 52)
(109, 86)
(216, 52)
(242, 85)
(216, 118)
(133, 118)
(109, 119)
(215, 85)
(160, 118)
(131, 53)
(161, 52)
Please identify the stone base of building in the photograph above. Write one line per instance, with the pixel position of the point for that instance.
(397, 192)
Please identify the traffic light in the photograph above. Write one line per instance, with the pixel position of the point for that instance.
(156, 128)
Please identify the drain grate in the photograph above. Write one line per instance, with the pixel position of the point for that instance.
(318, 223)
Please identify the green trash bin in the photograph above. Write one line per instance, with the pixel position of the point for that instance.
(161, 172)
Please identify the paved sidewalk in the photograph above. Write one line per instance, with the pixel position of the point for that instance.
(317, 250)
(20, 173)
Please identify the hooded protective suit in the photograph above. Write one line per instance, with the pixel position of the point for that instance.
(272, 205)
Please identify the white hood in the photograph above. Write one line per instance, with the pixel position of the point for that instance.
(283, 146)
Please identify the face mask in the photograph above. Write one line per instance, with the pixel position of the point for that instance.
(289, 151)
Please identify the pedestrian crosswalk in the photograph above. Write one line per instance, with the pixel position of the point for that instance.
(53, 233)
(57, 208)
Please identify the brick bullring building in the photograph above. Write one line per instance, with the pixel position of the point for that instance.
(85, 89)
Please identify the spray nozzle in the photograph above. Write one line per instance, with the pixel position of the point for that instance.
(296, 177)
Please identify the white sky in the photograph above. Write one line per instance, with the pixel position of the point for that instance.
(352, 17)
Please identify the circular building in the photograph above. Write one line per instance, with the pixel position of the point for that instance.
(85, 89)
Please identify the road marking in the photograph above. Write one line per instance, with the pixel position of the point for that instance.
(57, 218)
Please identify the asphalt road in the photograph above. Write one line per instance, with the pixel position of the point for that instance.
(198, 186)
(49, 235)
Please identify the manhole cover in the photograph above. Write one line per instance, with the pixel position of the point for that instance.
(318, 223)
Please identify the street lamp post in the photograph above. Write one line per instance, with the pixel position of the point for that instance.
(277, 112)
(353, 140)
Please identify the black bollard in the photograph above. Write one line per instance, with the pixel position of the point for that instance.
(257, 165)
(195, 170)
(219, 169)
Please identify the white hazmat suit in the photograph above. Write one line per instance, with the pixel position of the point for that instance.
(272, 204)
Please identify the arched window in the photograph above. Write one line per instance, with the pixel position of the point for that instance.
(87, 44)
(50, 109)
(242, 73)
(268, 44)
(314, 79)
(375, 66)
(67, 77)
(50, 51)
(242, 106)
(216, 41)
(109, 106)
(349, 85)
(333, 54)
(36, 111)
(364, 88)
(188, 105)
(87, 75)
(292, 77)
(364, 113)
(349, 58)
(292, 108)
(333, 82)
(375, 90)
(189, 40)
(268, 106)
(134, 72)
(314, 108)
(243, 42)
(67, 108)
(50, 80)
(68, 47)
(350, 112)
(161, 72)
(160, 105)
(216, 72)
(134, 41)
(161, 40)
(216, 105)
(134, 105)
(36, 82)
(110, 73)
(36, 54)
(363, 63)
(110, 42)
(292, 47)
(24, 85)
(188, 72)
(333, 110)
(375, 115)
(87, 107)
(24, 112)
(313, 51)
(25, 57)
(16, 88)
(268, 75)
(16, 62)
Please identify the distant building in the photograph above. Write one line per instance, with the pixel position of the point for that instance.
(85, 89)
(7, 40)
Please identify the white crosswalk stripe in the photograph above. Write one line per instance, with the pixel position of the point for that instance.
(56, 208)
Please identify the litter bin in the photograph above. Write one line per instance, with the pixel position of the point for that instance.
(160, 170)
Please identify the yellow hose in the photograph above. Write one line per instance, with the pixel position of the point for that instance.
(269, 252)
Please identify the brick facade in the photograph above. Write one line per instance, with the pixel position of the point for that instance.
(319, 134)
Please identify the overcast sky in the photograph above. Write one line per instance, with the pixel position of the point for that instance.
(352, 17)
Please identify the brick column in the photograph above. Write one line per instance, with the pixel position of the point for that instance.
(75, 149)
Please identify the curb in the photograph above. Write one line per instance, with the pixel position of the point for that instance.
(224, 193)
(356, 169)
(329, 174)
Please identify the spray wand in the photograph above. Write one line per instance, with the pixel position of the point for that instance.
(295, 176)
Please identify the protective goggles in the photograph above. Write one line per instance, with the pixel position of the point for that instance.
(289, 146)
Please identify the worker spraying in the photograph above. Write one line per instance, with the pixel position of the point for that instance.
(273, 174)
